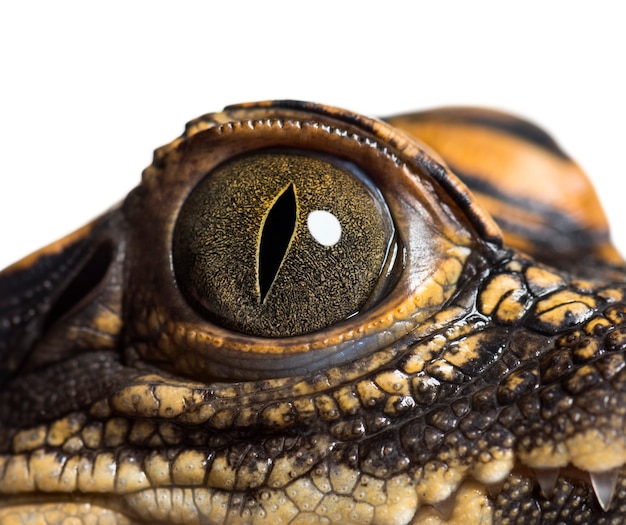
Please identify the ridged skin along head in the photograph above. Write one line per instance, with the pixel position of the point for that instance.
(304, 315)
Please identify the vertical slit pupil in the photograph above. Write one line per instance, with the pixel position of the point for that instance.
(278, 229)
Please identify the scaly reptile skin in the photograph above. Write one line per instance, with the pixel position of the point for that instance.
(456, 356)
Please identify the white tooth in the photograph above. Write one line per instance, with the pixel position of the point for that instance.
(603, 484)
(547, 480)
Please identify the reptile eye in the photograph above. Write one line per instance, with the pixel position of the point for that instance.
(273, 241)
(283, 243)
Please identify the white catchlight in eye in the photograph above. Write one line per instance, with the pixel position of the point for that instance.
(324, 227)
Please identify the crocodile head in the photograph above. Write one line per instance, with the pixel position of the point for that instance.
(302, 315)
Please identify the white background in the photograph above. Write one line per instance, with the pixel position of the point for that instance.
(87, 91)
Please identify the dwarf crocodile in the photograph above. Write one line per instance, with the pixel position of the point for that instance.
(304, 315)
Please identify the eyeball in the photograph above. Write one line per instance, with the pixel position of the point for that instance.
(280, 243)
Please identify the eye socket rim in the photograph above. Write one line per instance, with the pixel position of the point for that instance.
(177, 336)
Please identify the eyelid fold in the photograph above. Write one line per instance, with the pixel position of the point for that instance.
(438, 225)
